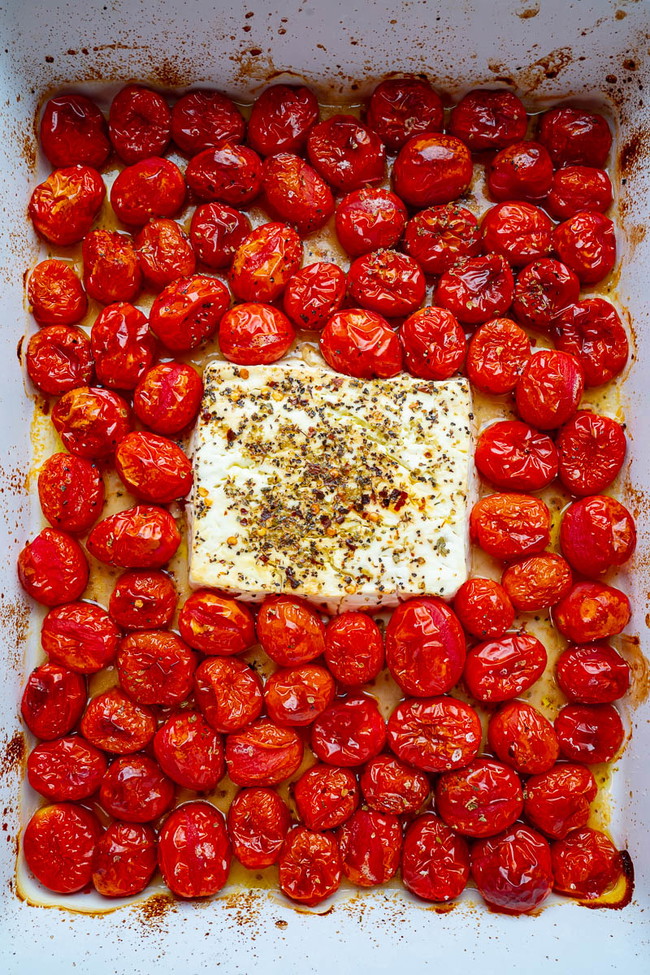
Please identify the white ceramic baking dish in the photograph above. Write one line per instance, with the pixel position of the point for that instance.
(594, 51)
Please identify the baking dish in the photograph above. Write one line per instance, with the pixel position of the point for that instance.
(596, 52)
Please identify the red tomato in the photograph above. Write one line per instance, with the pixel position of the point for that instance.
(55, 294)
(574, 136)
(434, 735)
(59, 846)
(441, 235)
(354, 649)
(253, 334)
(64, 206)
(190, 752)
(156, 667)
(435, 861)
(143, 600)
(507, 526)
(310, 866)
(153, 468)
(518, 231)
(164, 253)
(592, 673)
(497, 670)
(111, 268)
(346, 153)
(230, 174)
(591, 451)
(187, 312)
(80, 636)
(390, 786)
(513, 871)
(53, 701)
(591, 611)
(59, 358)
(369, 219)
(66, 770)
(194, 852)
(281, 118)
(73, 131)
(142, 537)
(122, 345)
(71, 492)
(290, 631)
(264, 262)
(215, 624)
(496, 356)
(589, 733)
(216, 231)
(542, 289)
(153, 187)
(400, 108)
(558, 801)
(597, 533)
(577, 188)
(549, 389)
(484, 608)
(592, 331)
(135, 789)
(586, 242)
(514, 456)
(425, 647)
(370, 843)
(296, 193)
(486, 119)
(434, 343)
(361, 343)
(91, 421)
(258, 821)
(522, 171)
(294, 697)
(387, 282)
(586, 864)
(52, 568)
(205, 119)
(349, 732)
(263, 754)
(523, 738)
(228, 692)
(476, 289)
(537, 582)
(125, 860)
(168, 397)
(326, 796)
(313, 294)
(139, 123)
(481, 799)
(114, 723)
(432, 169)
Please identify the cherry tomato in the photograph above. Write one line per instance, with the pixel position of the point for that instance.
(387, 282)
(476, 289)
(435, 861)
(542, 289)
(164, 253)
(497, 670)
(143, 600)
(153, 468)
(484, 608)
(187, 312)
(59, 846)
(253, 334)
(111, 268)
(369, 219)
(346, 153)
(190, 752)
(52, 568)
(575, 137)
(591, 451)
(230, 174)
(168, 397)
(310, 866)
(326, 796)
(589, 733)
(294, 697)
(592, 331)
(586, 864)
(577, 188)
(434, 735)
(390, 786)
(591, 611)
(354, 649)
(481, 799)
(361, 343)
(139, 123)
(586, 242)
(518, 231)
(80, 636)
(205, 119)
(59, 358)
(215, 624)
(425, 647)
(114, 723)
(370, 843)
(263, 754)
(73, 131)
(55, 294)
(91, 421)
(400, 108)
(142, 537)
(523, 738)
(156, 667)
(439, 236)
(349, 732)
(153, 187)
(496, 356)
(53, 701)
(597, 533)
(549, 389)
(194, 853)
(125, 860)
(281, 118)
(513, 871)
(486, 119)
(314, 294)
(522, 171)
(290, 631)
(537, 582)
(296, 193)
(432, 169)
(557, 801)
(134, 789)
(228, 692)
(71, 492)
(122, 345)
(64, 206)
(512, 455)
(66, 770)
(592, 673)
(216, 231)
(258, 821)
(264, 262)
(507, 526)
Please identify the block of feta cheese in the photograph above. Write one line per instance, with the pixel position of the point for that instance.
(350, 493)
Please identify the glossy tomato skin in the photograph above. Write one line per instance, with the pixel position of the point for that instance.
(142, 537)
(153, 187)
(435, 860)
(387, 282)
(296, 193)
(122, 345)
(310, 866)
(537, 581)
(56, 294)
(153, 468)
(91, 421)
(440, 235)
(58, 359)
(370, 843)
(549, 389)
(228, 692)
(156, 667)
(596, 534)
(484, 608)
(215, 624)
(143, 600)
(486, 119)
(497, 670)
(111, 268)
(513, 871)
(64, 206)
(71, 492)
(557, 801)
(425, 647)
(295, 696)
(346, 153)
(326, 796)
(400, 108)
(216, 231)
(592, 331)
(481, 799)
(507, 526)
(520, 736)
(577, 188)
(81, 636)
(589, 733)
(592, 673)
(258, 821)
(515, 456)
(253, 334)
(369, 219)
(354, 648)
(281, 118)
(194, 852)
(542, 289)
(519, 231)
(435, 734)
(114, 723)
(591, 451)
(431, 169)
(521, 171)
(434, 344)
(139, 123)
(168, 397)
(586, 864)
(125, 860)
(263, 754)
(349, 732)
(476, 289)
(290, 631)
(164, 253)
(591, 611)
(264, 262)
(575, 137)
(361, 343)
(231, 174)
(73, 131)
(190, 752)
(187, 312)
(314, 294)
(136, 790)
(586, 243)
(53, 701)
(53, 568)
(205, 119)
(390, 786)
(496, 356)
(59, 846)
(66, 769)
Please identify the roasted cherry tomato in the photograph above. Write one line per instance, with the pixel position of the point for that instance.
(370, 843)
(52, 568)
(296, 193)
(168, 397)
(586, 243)
(597, 533)
(56, 294)
(537, 582)
(369, 219)
(139, 123)
(64, 206)
(253, 334)
(136, 790)
(486, 119)
(432, 169)
(91, 421)
(591, 611)
(228, 692)
(435, 861)
(496, 356)
(164, 253)
(592, 673)
(400, 108)
(81, 636)
(153, 468)
(361, 343)
(66, 770)
(215, 624)
(589, 733)
(577, 188)
(586, 864)
(156, 667)
(434, 343)
(522, 171)
(346, 153)
(575, 137)
(484, 608)
(153, 187)
(281, 118)
(258, 821)
(294, 697)
(114, 723)
(390, 786)
(512, 455)
(230, 174)
(481, 799)
(204, 119)
(513, 871)
(387, 282)
(326, 796)
(557, 801)
(441, 235)
(71, 492)
(53, 701)
(523, 738)
(190, 752)
(549, 389)
(354, 649)
(592, 331)
(187, 312)
(216, 231)
(122, 345)
(518, 231)
(290, 631)
(263, 754)
(73, 131)
(476, 289)
(349, 732)
(59, 846)
(542, 289)
(591, 451)
(507, 526)
(125, 860)
(143, 600)
(497, 670)
(111, 268)
(435, 735)
(310, 866)
(264, 262)
(59, 358)
(194, 853)
(142, 537)
(314, 294)
(425, 647)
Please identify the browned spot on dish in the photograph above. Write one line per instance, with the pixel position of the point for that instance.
(640, 667)
(528, 12)
(152, 910)
(632, 152)
(11, 757)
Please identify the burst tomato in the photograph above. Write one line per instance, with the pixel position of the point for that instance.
(361, 343)
(425, 647)
(296, 696)
(66, 770)
(125, 860)
(290, 631)
(81, 636)
(281, 118)
(153, 468)
(592, 673)
(513, 871)
(190, 752)
(142, 537)
(387, 282)
(139, 123)
(153, 187)
(557, 801)
(390, 786)
(215, 624)
(486, 119)
(114, 723)
(263, 754)
(110, 266)
(143, 600)
(349, 732)
(59, 359)
(253, 334)
(496, 356)
(497, 670)
(523, 738)
(476, 289)
(481, 799)
(310, 866)
(56, 294)
(122, 345)
(369, 219)
(507, 526)
(187, 312)
(515, 456)
(575, 136)
(53, 701)
(592, 331)
(434, 344)
(346, 153)
(549, 389)
(589, 733)
(59, 845)
(591, 611)
(542, 289)
(168, 397)
(164, 253)
(370, 843)
(537, 582)
(73, 131)
(586, 243)
(228, 692)
(400, 108)
(326, 796)
(354, 649)
(258, 821)
(586, 864)
(64, 206)
(204, 119)
(53, 568)
(155, 667)
(432, 169)
(522, 171)
(484, 608)
(435, 734)
(91, 421)
(71, 492)
(518, 231)
(264, 262)
(231, 174)
(591, 451)
(597, 533)
(577, 188)
(435, 861)
(314, 294)
(296, 193)
(216, 231)
(194, 853)
(136, 790)
(441, 235)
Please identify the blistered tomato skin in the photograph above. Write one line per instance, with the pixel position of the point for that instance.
(314, 294)
(53, 568)
(264, 262)
(63, 207)
(508, 526)
(518, 231)
(522, 171)
(228, 692)
(326, 796)
(432, 169)
(258, 821)
(56, 294)
(497, 670)
(231, 174)
(476, 289)
(215, 624)
(73, 131)
(586, 243)
(390, 786)
(435, 860)
(294, 697)
(425, 647)
(577, 188)
(281, 118)
(125, 860)
(188, 311)
(513, 871)
(481, 799)
(296, 193)
(368, 219)
(370, 843)
(71, 492)
(153, 468)
(484, 608)
(520, 736)
(164, 253)
(542, 290)
(592, 611)
(439, 236)
(496, 356)
(435, 734)
(139, 123)
(155, 667)
(253, 334)
(205, 119)
(592, 331)
(591, 451)
(557, 802)
(190, 752)
(310, 866)
(596, 534)
(516, 457)
(168, 397)
(537, 581)
(589, 733)
(59, 846)
(386, 282)
(216, 231)
(575, 137)
(549, 389)
(434, 344)
(349, 732)
(361, 343)
(111, 268)
(91, 421)
(592, 673)
(53, 701)
(153, 187)
(122, 345)
(114, 723)
(263, 754)
(400, 108)
(290, 631)
(80, 636)
(143, 600)
(486, 119)
(194, 852)
(142, 537)
(59, 359)
(66, 769)
(346, 153)
(136, 790)
(354, 649)
(586, 864)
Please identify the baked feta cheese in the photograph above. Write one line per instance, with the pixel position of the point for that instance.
(350, 493)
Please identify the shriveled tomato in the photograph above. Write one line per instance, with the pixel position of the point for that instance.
(215, 624)
(66, 769)
(542, 289)
(142, 537)
(63, 207)
(143, 600)
(577, 188)
(230, 174)
(153, 187)
(425, 647)
(349, 732)
(190, 752)
(522, 171)
(296, 696)
(513, 455)
(592, 611)
(434, 343)
(263, 754)
(168, 397)
(123, 347)
(296, 193)
(53, 568)
(592, 673)
(519, 231)
(354, 648)
(387, 282)
(435, 861)
(435, 734)
(586, 864)
(58, 359)
(484, 608)
(481, 799)
(432, 169)
(187, 312)
(228, 692)
(592, 331)
(91, 421)
(507, 526)
(368, 219)
(370, 843)
(56, 294)
(205, 118)
(496, 356)
(549, 389)
(591, 451)
(538, 581)
(153, 468)
(586, 242)
(596, 534)
(310, 866)
(81, 636)
(557, 801)
(590, 733)
(114, 723)
(71, 492)
(258, 821)
(264, 262)
(390, 786)
(164, 253)
(497, 670)
(476, 289)
(361, 343)
(513, 871)
(575, 136)
(216, 231)
(252, 334)
(53, 701)
(194, 853)
(139, 123)
(486, 119)
(125, 860)
(313, 294)
(59, 846)
(73, 131)
(290, 631)
(281, 118)
(155, 667)
(400, 108)
(523, 738)
(441, 235)
(111, 268)
(346, 153)
(326, 796)
(136, 790)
